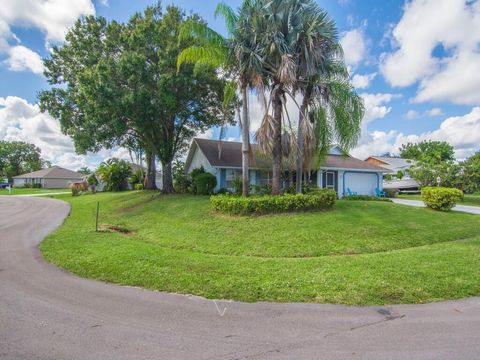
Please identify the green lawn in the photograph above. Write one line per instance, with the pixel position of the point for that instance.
(472, 200)
(359, 253)
(26, 191)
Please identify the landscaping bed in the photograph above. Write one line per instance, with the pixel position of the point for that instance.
(361, 252)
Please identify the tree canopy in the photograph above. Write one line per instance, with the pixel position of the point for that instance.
(430, 151)
(117, 85)
(18, 157)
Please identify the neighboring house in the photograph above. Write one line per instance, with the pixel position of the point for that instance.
(339, 172)
(55, 177)
(392, 164)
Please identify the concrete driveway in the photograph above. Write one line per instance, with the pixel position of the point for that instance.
(462, 208)
(46, 313)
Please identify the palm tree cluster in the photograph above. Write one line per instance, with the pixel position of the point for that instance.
(283, 50)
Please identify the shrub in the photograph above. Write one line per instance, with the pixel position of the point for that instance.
(138, 186)
(365, 198)
(258, 205)
(75, 191)
(262, 189)
(237, 184)
(92, 182)
(115, 174)
(137, 177)
(441, 198)
(205, 184)
(390, 193)
(195, 173)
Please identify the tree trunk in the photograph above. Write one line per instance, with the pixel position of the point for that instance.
(300, 145)
(167, 177)
(245, 143)
(277, 144)
(151, 172)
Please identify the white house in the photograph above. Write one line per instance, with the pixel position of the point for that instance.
(54, 177)
(341, 172)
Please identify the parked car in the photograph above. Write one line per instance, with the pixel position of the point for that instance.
(4, 185)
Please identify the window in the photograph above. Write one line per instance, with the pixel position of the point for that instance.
(230, 175)
(330, 180)
(264, 178)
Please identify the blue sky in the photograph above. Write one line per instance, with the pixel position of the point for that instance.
(416, 64)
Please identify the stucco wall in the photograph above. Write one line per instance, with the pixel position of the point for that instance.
(57, 183)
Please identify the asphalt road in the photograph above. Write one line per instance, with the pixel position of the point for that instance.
(46, 313)
(417, 203)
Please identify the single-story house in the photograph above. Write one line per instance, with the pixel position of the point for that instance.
(54, 177)
(392, 164)
(338, 171)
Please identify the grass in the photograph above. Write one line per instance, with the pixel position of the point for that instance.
(29, 191)
(469, 199)
(359, 253)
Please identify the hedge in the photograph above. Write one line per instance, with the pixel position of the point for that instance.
(366, 198)
(268, 204)
(441, 198)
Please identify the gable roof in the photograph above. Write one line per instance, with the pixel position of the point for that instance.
(392, 163)
(54, 172)
(231, 157)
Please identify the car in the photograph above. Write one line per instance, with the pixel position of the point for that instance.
(4, 185)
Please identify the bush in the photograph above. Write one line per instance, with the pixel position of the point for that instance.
(441, 198)
(194, 174)
(205, 184)
(138, 186)
(137, 177)
(75, 191)
(390, 193)
(258, 205)
(365, 198)
(115, 174)
(262, 189)
(237, 184)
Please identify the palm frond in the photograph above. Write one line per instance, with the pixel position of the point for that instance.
(228, 15)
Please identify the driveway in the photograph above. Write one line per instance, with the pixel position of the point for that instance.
(462, 208)
(46, 313)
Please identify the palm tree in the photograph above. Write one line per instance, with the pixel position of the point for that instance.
(300, 53)
(236, 55)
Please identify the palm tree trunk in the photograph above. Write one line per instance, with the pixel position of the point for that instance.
(277, 144)
(300, 142)
(245, 143)
(151, 172)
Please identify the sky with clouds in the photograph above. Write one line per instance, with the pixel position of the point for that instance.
(416, 64)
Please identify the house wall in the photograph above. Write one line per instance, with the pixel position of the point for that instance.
(361, 182)
(198, 160)
(375, 162)
(21, 182)
(58, 183)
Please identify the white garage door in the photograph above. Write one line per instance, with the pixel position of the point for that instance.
(361, 183)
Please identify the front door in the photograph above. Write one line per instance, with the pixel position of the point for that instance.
(330, 180)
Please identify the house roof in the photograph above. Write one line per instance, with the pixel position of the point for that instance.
(54, 172)
(231, 157)
(393, 163)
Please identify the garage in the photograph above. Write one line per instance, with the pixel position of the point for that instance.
(362, 183)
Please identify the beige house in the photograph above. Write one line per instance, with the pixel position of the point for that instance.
(55, 177)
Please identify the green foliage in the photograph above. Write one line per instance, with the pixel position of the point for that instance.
(181, 182)
(17, 157)
(137, 177)
(84, 170)
(193, 179)
(237, 185)
(400, 174)
(470, 179)
(259, 205)
(390, 193)
(205, 184)
(441, 198)
(429, 173)
(92, 180)
(138, 186)
(115, 174)
(366, 198)
(428, 151)
(75, 191)
(262, 189)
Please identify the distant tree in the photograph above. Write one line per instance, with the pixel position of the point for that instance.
(92, 182)
(471, 173)
(84, 171)
(400, 174)
(443, 173)
(17, 157)
(430, 151)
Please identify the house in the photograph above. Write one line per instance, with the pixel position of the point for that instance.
(338, 171)
(392, 164)
(54, 177)
(406, 184)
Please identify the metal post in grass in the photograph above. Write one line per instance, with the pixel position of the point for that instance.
(96, 222)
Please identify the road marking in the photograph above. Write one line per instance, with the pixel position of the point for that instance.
(221, 313)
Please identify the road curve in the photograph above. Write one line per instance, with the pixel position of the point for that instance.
(46, 313)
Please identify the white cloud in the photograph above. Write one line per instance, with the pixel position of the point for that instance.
(363, 81)
(435, 112)
(354, 46)
(21, 58)
(411, 114)
(22, 121)
(437, 45)
(51, 17)
(375, 105)
(462, 132)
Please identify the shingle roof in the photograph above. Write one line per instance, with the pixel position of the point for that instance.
(55, 172)
(393, 163)
(231, 156)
